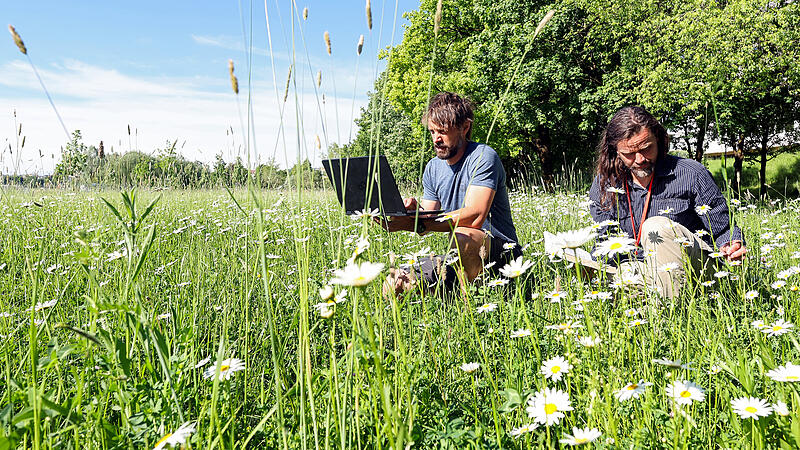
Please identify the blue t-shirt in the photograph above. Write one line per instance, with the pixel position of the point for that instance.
(480, 166)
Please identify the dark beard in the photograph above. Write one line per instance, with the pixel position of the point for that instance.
(448, 153)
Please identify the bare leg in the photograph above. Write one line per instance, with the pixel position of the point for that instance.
(473, 247)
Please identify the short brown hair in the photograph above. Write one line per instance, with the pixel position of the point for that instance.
(448, 109)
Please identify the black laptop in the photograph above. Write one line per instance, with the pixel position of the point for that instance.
(366, 182)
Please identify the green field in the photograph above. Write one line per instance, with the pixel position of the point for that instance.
(783, 175)
(106, 331)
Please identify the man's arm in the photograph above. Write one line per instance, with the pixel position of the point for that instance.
(477, 202)
(729, 239)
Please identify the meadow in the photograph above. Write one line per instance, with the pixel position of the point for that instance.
(199, 319)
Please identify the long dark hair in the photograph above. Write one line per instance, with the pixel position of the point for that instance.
(625, 123)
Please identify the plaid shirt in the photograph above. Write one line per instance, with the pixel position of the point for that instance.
(680, 186)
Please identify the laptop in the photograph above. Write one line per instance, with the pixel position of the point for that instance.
(367, 182)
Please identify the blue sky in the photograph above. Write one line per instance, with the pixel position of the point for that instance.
(162, 68)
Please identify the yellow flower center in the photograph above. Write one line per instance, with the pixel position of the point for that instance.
(615, 246)
(550, 408)
(751, 409)
(632, 386)
(777, 328)
(686, 394)
(556, 369)
(581, 440)
(163, 439)
(224, 368)
(792, 377)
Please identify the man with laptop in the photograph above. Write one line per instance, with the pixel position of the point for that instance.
(467, 181)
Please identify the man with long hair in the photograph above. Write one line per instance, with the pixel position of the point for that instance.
(669, 206)
(466, 180)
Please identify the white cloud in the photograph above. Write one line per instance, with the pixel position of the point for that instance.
(102, 102)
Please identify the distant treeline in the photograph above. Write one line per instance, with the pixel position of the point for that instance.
(90, 165)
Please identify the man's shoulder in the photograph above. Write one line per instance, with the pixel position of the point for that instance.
(477, 150)
(681, 165)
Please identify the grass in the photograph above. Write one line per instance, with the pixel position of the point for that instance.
(112, 364)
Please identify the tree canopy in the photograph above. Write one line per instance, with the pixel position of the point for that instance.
(681, 60)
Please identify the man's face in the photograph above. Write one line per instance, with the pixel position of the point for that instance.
(639, 153)
(448, 140)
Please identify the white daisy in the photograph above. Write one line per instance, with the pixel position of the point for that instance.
(588, 341)
(669, 267)
(519, 431)
(636, 322)
(614, 246)
(176, 438)
(357, 275)
(685, 392)
(780, 408)
(516, 268)
(556, 296)
(470, 367)
(702, 210)
(777, 328)
(486, 307)
(750, 295)
(547, 407)
(567, 327)
(522, 332)
(576, 238)
(581, 436)
(751, 408)
(554, 368)
(778, 284)
(226, 369)
(632, 390)
(497, 282)
(788, 373)
(325, 292)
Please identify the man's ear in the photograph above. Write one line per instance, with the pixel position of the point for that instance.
(467, 127)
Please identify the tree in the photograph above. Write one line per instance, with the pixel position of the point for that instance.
(74, 158)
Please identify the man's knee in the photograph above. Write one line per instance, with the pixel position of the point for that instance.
(656, 230)
(473, 246)
(470, 239)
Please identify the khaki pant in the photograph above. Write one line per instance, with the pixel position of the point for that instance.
(660, 248)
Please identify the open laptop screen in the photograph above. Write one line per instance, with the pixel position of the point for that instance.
(365, 182)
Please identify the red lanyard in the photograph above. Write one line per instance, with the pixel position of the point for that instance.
(638, 235)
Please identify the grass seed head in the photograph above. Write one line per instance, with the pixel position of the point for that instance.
(286, 89)
(18, 40)
(319, 78)
(437, 19)
(369, 14)
(360, 44)
(305, 13)
(327, 37)
(544, 21)
(317, 142)
(234, 81)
